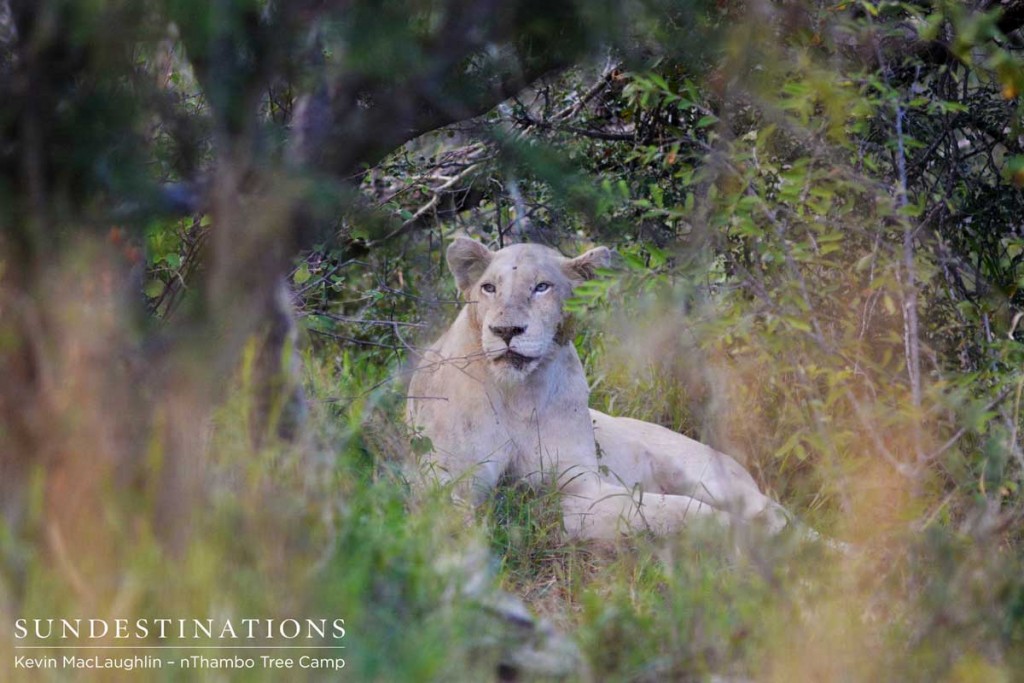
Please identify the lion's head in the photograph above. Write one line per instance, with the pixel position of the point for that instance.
(515, 299)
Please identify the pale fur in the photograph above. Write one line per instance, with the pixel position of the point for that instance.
(486, 417)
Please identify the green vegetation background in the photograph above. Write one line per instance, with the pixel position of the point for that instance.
(819, 219)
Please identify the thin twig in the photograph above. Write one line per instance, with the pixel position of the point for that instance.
(573, 109)
(963, 430)
(361, 321)
(353, 340)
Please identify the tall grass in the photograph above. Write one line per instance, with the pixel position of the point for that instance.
(328, 526)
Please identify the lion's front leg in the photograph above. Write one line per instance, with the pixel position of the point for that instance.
(471, 475)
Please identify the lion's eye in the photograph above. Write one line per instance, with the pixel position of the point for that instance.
(542, 287)
(488, 287)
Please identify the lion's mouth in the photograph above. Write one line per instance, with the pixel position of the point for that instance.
(516, 360)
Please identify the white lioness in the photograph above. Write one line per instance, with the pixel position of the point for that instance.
(503, 391)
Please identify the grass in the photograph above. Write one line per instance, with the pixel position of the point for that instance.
(328, 526)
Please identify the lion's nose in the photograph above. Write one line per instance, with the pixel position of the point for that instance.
(507, 333)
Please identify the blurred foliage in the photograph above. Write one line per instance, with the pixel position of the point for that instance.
(817, 209)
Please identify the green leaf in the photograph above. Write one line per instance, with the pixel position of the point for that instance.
(790, 444)
(798, 323)
(153, 289)
(421, 445)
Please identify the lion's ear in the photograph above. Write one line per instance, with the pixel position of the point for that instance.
(584, 266)
(468, 259)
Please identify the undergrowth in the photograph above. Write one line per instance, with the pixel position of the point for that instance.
(414, 577)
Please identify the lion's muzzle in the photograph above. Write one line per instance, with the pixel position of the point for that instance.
(507, 333)
(516, 360)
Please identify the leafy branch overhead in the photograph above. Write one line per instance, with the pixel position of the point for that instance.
(221, 255)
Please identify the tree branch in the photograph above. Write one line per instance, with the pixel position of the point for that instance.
(354, 121)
